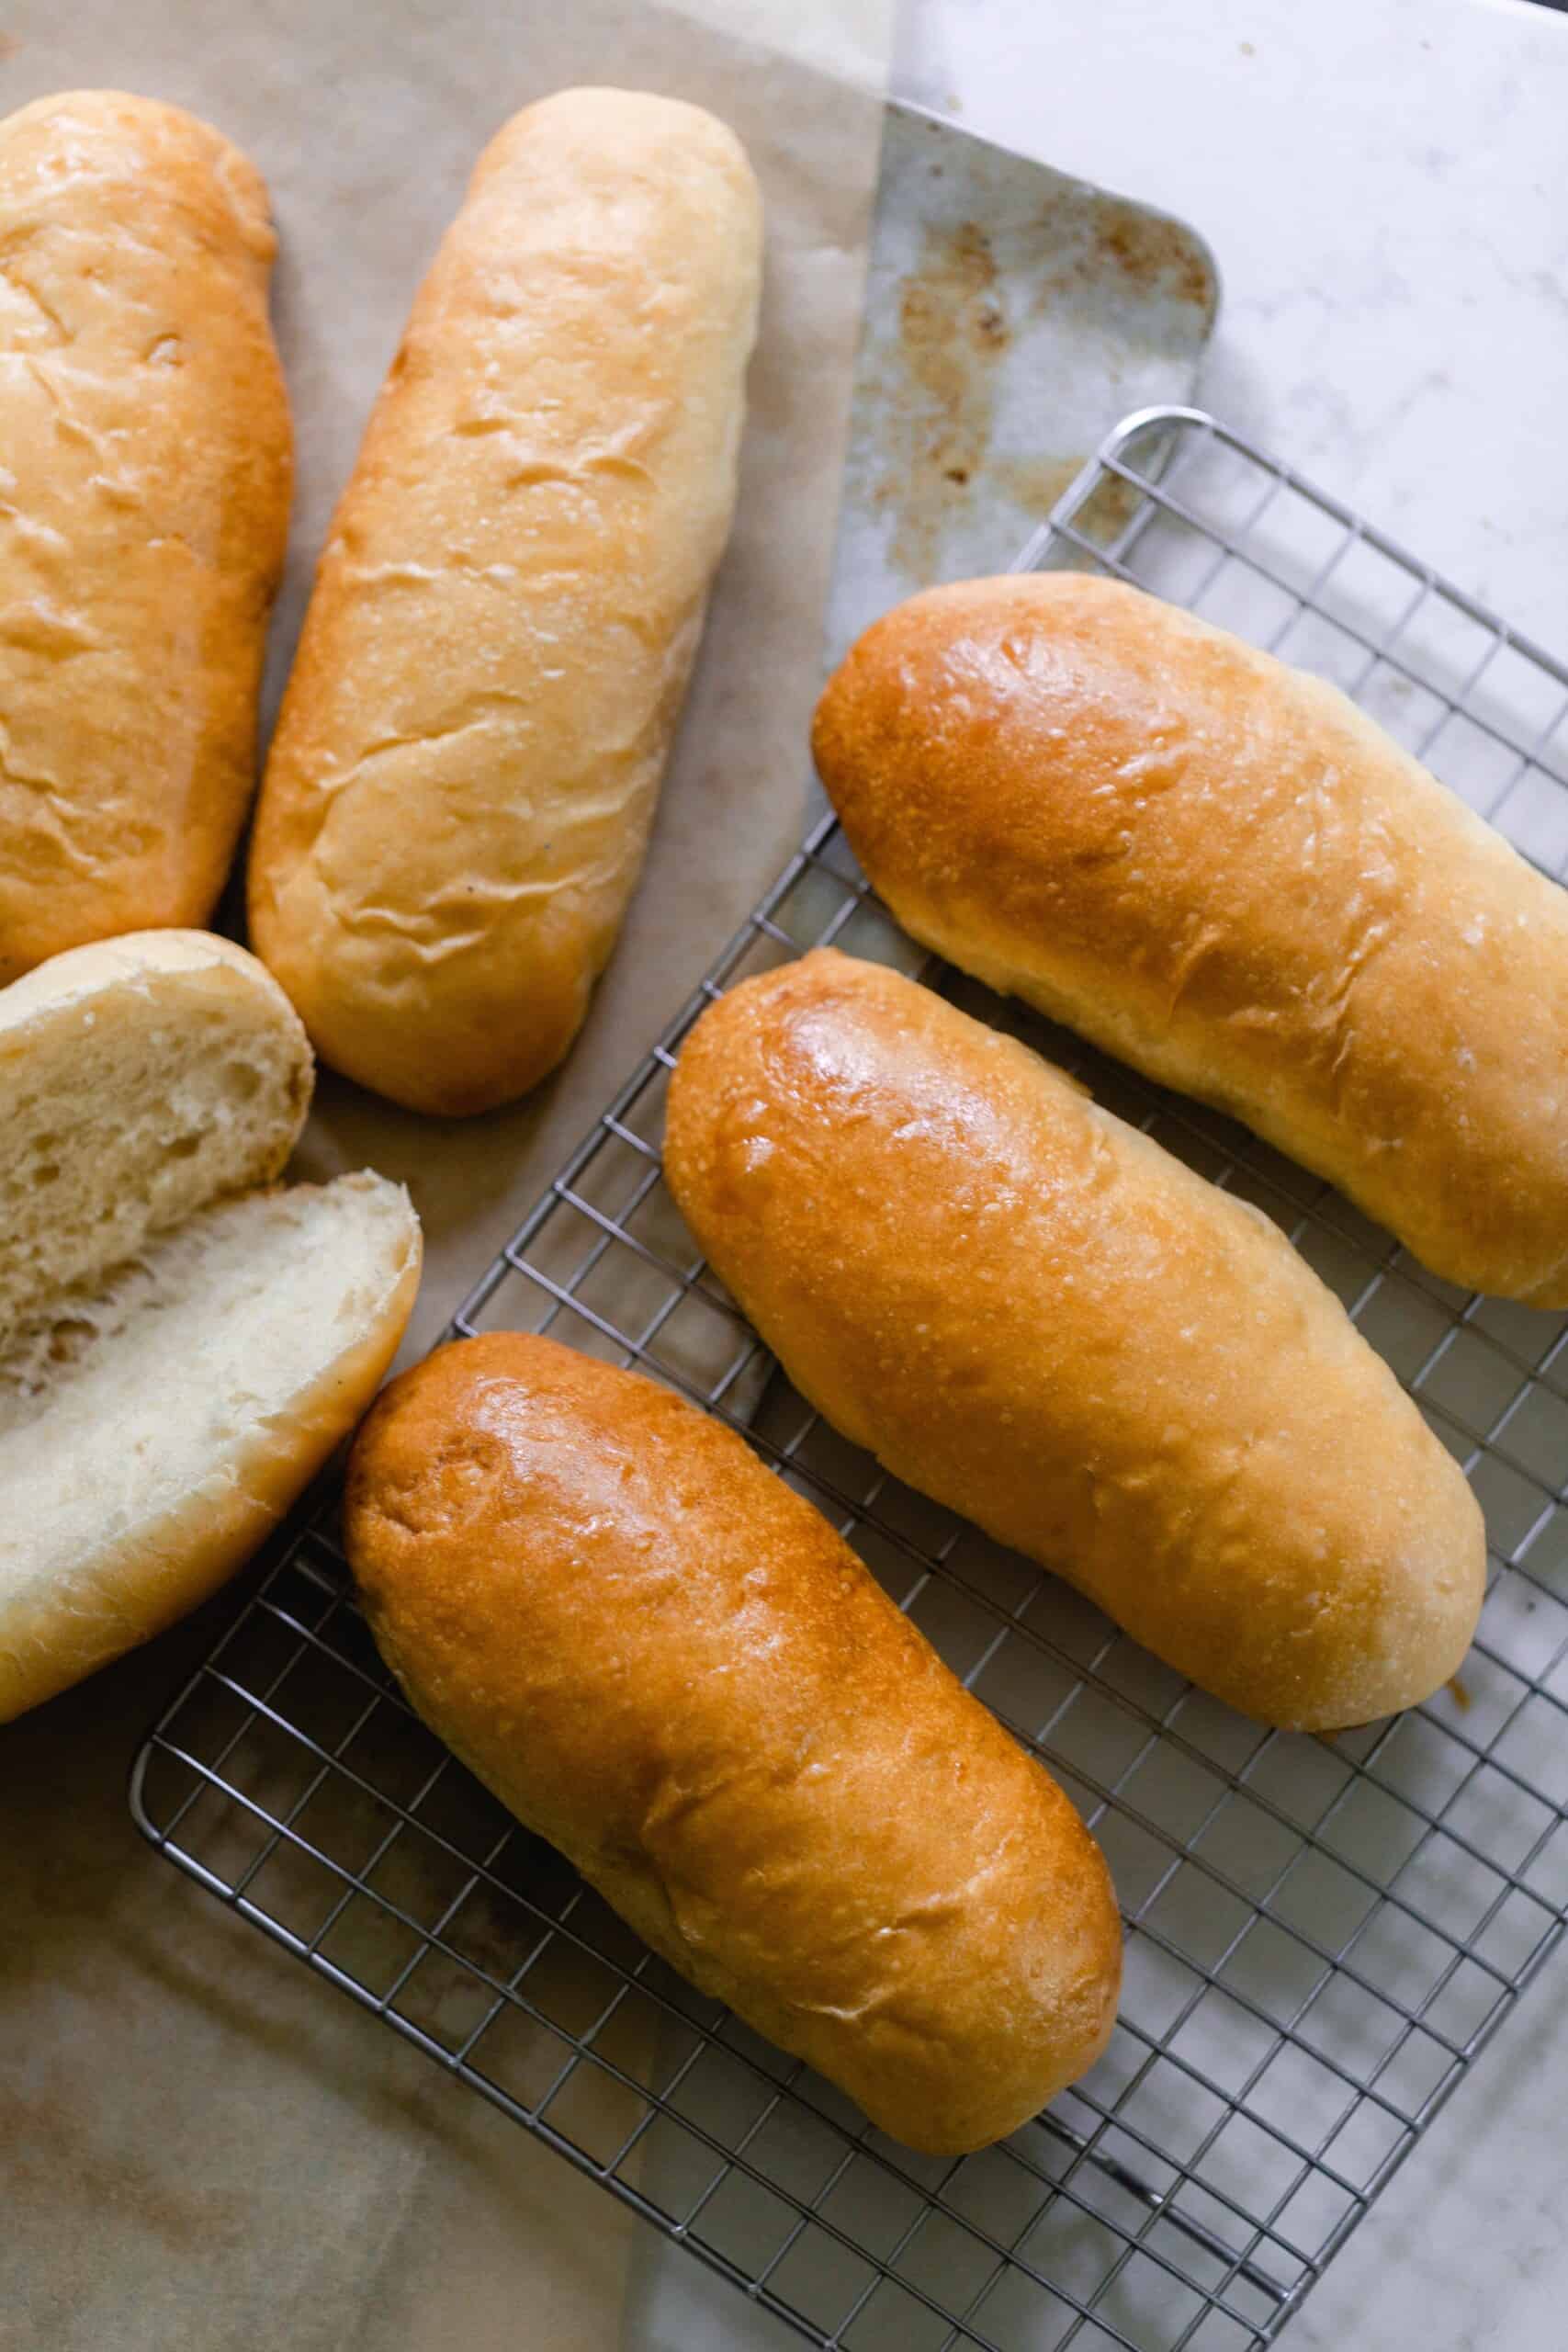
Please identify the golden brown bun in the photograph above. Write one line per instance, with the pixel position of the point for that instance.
(1218, 868)
(144, 481)
(459, 792)
(667, 1664)
(1030, 1311)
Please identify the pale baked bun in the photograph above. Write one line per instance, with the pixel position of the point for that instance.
(1029, 1310)
(145, 470)
(671, 1666)
(153, 1429)
(459, 796)
(1220, 869)
(139, 1079)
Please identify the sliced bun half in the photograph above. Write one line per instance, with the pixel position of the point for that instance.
(181, 1348)
(139, 1079)
(153, 1429)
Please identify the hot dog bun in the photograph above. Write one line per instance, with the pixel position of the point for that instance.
(1220, 869)
(670, 1666)
(145, 470)
(1031, 1312)
(460, 789)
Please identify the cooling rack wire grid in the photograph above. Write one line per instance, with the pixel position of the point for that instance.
(1322, 1934)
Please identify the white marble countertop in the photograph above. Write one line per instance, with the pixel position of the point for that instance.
(1386, 186)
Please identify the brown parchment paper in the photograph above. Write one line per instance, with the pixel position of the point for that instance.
(201, 2147)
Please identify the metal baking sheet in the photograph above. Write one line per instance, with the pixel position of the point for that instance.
(1012, 314)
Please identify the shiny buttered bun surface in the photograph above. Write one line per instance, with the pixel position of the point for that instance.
(145, 468)
(1030, 1311)
(667, 1664)
(458, 797)
(1220, 869)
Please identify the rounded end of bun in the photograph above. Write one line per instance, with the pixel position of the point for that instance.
(1417, 1630)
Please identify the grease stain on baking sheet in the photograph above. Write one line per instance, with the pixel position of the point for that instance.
(940, 391)
(940, 388)
(1154, 256)
(10, 45)
(959, 315)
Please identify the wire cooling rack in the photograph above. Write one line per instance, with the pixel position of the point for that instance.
(1322, 1934)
